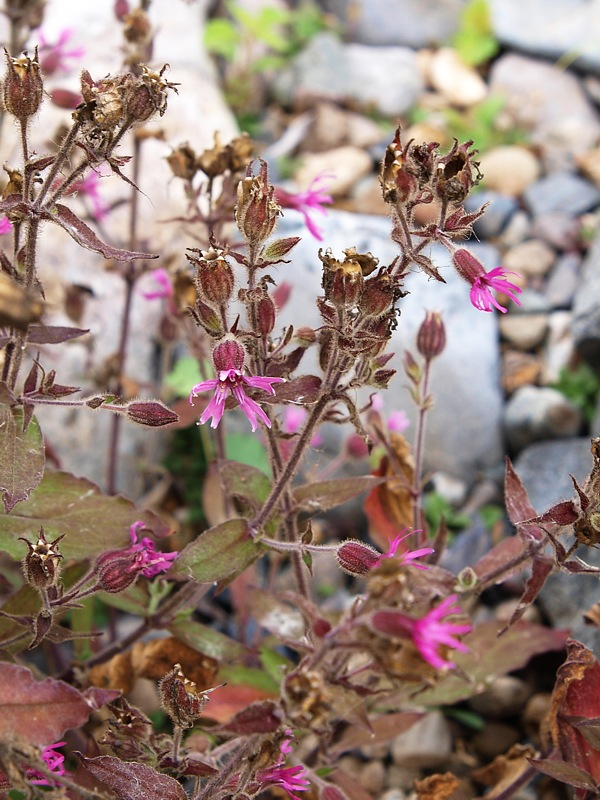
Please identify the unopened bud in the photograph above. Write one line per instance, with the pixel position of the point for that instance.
(357, 558)
(41, 564)
(228, 355)
(23, 86)
(431, 338)
(382, 377)
(266, 315)
(116, 570)
(305, 336)
(180, 698)
(208, 318)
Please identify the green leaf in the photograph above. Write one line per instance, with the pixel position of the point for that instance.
(221, 552)
(22, 457)
(92, 521)
(474, 41)
(221, 38)
(207, 640)
(246, 448)
(245, 482)
(275, 664)
(249, 676)
(184, 375)
(328, 494)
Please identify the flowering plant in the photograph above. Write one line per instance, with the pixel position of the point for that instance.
(264, 686)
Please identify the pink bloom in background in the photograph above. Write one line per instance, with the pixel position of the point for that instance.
(398, 422)
(407, 555)
(291, 779)
(54, 57)
(313, 199)
(293, 419)
(164, 289)
(54, 762)
(5, 225)
(148, 562)
(484, 284)
(430, 632)
(228, 358)
(90, 187)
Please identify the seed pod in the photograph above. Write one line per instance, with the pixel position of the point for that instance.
(214, 276)
(256, 210)
(180, 698)
(23, 86)
(41, 564)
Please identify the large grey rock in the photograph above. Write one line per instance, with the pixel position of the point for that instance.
(586, 308)
(79, 437)
(414, 23)
(561, 191)
(544, 469)
(330, 69)
(554, 29)
(548, 102)
(464, 429)
(535, 413)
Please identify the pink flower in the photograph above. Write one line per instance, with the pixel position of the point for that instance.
(483, 283)
(228, 358)
(407, 555)
(312, 199)
(291, 779)
(164, 287)
(428, 633)
(148, 562)
(397, 422)
(5, 225)
(54, 762)
(55, 57)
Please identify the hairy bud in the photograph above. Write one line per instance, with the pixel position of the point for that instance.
(23, 86)
(147, 95)
(343, 281)
(431, 338)
(214, 276)
(183, 162)
(357, 558)
(116, 570)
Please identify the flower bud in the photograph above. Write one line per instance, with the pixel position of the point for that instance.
(357, 558)
(116, 570)
(207, 317)
(41, 564)
(256, 210)
(379, 295)
(180, 698)
(266, 315)
(23, 86)
(431, 338)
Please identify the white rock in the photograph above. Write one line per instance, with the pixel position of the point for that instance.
(459, 83)
(533, 258)
(346, 165)
(509, 169)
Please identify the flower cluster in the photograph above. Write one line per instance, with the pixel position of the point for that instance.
(313, 199)
(55, 763)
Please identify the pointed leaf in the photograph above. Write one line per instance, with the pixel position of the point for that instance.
(328, 494)
(86, 237)
(219, 553)
(38, 711)
(22, 456)
(132, 781)
(264, 716)
(246, 482)
(567, 773)
(92, 521)
(53, 334)
(518, 506)
(540, 569)
(207, 641)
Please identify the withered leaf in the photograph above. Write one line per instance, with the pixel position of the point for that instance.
(132, 781)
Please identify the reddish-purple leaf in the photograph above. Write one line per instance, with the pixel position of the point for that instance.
(85, 236)
(277, 250)
(564, 513)
(53, 334)
(566, 773)
(305, 389)
(517, 502)
(261, 717)
(540, 569)
(382, 729)
(39, 712)
(132, 781)
(22, 456)
(99, 697)
(221, 552)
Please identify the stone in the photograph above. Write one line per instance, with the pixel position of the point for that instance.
(549, 103)
(329, 69)
(586, 309)
(557, 228)
(464, 429)
(412, 23)
(559, 350)
(500, 209)
(561, 191)
(519, 369)
(343, 167)
(535, 413)
(517, 229)
(506, 697)
(589, 164)
(554, 29)
(524, 331)
(459, 84)
(563, 281)
(194, 114)
(494, 739)
(426, 744)
(509, 169)
(533, 258)
(333, 127)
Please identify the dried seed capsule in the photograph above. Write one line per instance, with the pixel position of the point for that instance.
(23, 86)
(180, 698)
(41, 564)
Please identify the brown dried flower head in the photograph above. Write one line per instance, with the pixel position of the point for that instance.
(256, 210)
(41, 564)
(23, 87)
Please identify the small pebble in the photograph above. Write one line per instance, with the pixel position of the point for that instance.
(533, 258)
(524, 331)
(505, 697)
(509, 169)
